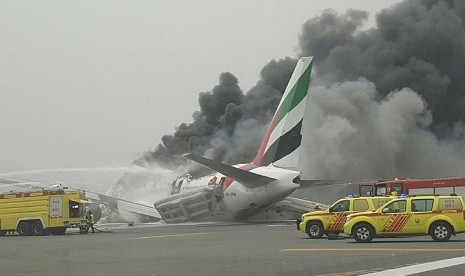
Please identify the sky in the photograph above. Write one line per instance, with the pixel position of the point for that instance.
(96, 83)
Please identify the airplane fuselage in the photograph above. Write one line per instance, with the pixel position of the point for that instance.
(236, 201)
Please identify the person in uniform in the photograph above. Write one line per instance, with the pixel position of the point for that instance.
(90, 222)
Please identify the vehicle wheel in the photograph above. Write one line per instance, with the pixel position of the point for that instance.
(440, 231)
(315, 230)
(363, 232)
(37, 228)
(3, 232)
(24, 228)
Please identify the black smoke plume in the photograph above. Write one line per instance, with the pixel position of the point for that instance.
(229, 124)
(387, 101)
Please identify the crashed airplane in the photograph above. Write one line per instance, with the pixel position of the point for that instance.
(241, 191)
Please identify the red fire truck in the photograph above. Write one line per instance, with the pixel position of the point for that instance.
(453, 185)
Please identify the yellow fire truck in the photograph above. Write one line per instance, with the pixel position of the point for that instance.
(42, 212)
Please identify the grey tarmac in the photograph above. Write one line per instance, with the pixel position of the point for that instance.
(215, 249)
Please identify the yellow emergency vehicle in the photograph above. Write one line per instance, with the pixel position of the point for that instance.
(42, 212)
(318, 223)
(436, 215)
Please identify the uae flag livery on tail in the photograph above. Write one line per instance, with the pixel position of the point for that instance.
(283, 138)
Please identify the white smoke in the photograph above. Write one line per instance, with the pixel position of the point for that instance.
(55, 170)
(113, 181)
(144, 187)
(351, 134)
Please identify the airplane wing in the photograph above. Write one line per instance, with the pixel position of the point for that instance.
(320, 183)
(297, 206)
(7, 181)
(246, 178)
(118, 204)
(8, 185)
(290, 208)
(328, 191)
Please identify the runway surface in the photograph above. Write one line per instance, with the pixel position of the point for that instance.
(217, 249)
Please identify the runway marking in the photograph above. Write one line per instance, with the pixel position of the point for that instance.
(363, 271)
(168, 236)
(375, 249)
(418, 268)
(352, 273)
(357, 272)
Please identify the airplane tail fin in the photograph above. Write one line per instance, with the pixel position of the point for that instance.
(283, 138)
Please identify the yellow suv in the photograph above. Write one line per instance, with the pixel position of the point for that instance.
(318, 223)
(435, 215)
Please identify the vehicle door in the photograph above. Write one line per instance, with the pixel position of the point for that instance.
(393, 217)
(339, 212)
(452, 207)
(421, 210)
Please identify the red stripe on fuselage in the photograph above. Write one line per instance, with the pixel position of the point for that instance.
(258, 158)
(229, 180)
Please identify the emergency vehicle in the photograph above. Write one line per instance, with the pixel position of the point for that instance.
(452, 185)
(439, 216)
(42, 212)
(318, 223)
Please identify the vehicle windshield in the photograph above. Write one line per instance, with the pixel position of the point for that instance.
(380, 189)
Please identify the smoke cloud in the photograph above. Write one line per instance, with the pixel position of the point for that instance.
(230, 123)
(352, 135)
(416, 44)
(388, 101)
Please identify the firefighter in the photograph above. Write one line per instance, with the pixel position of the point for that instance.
(90, 222)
